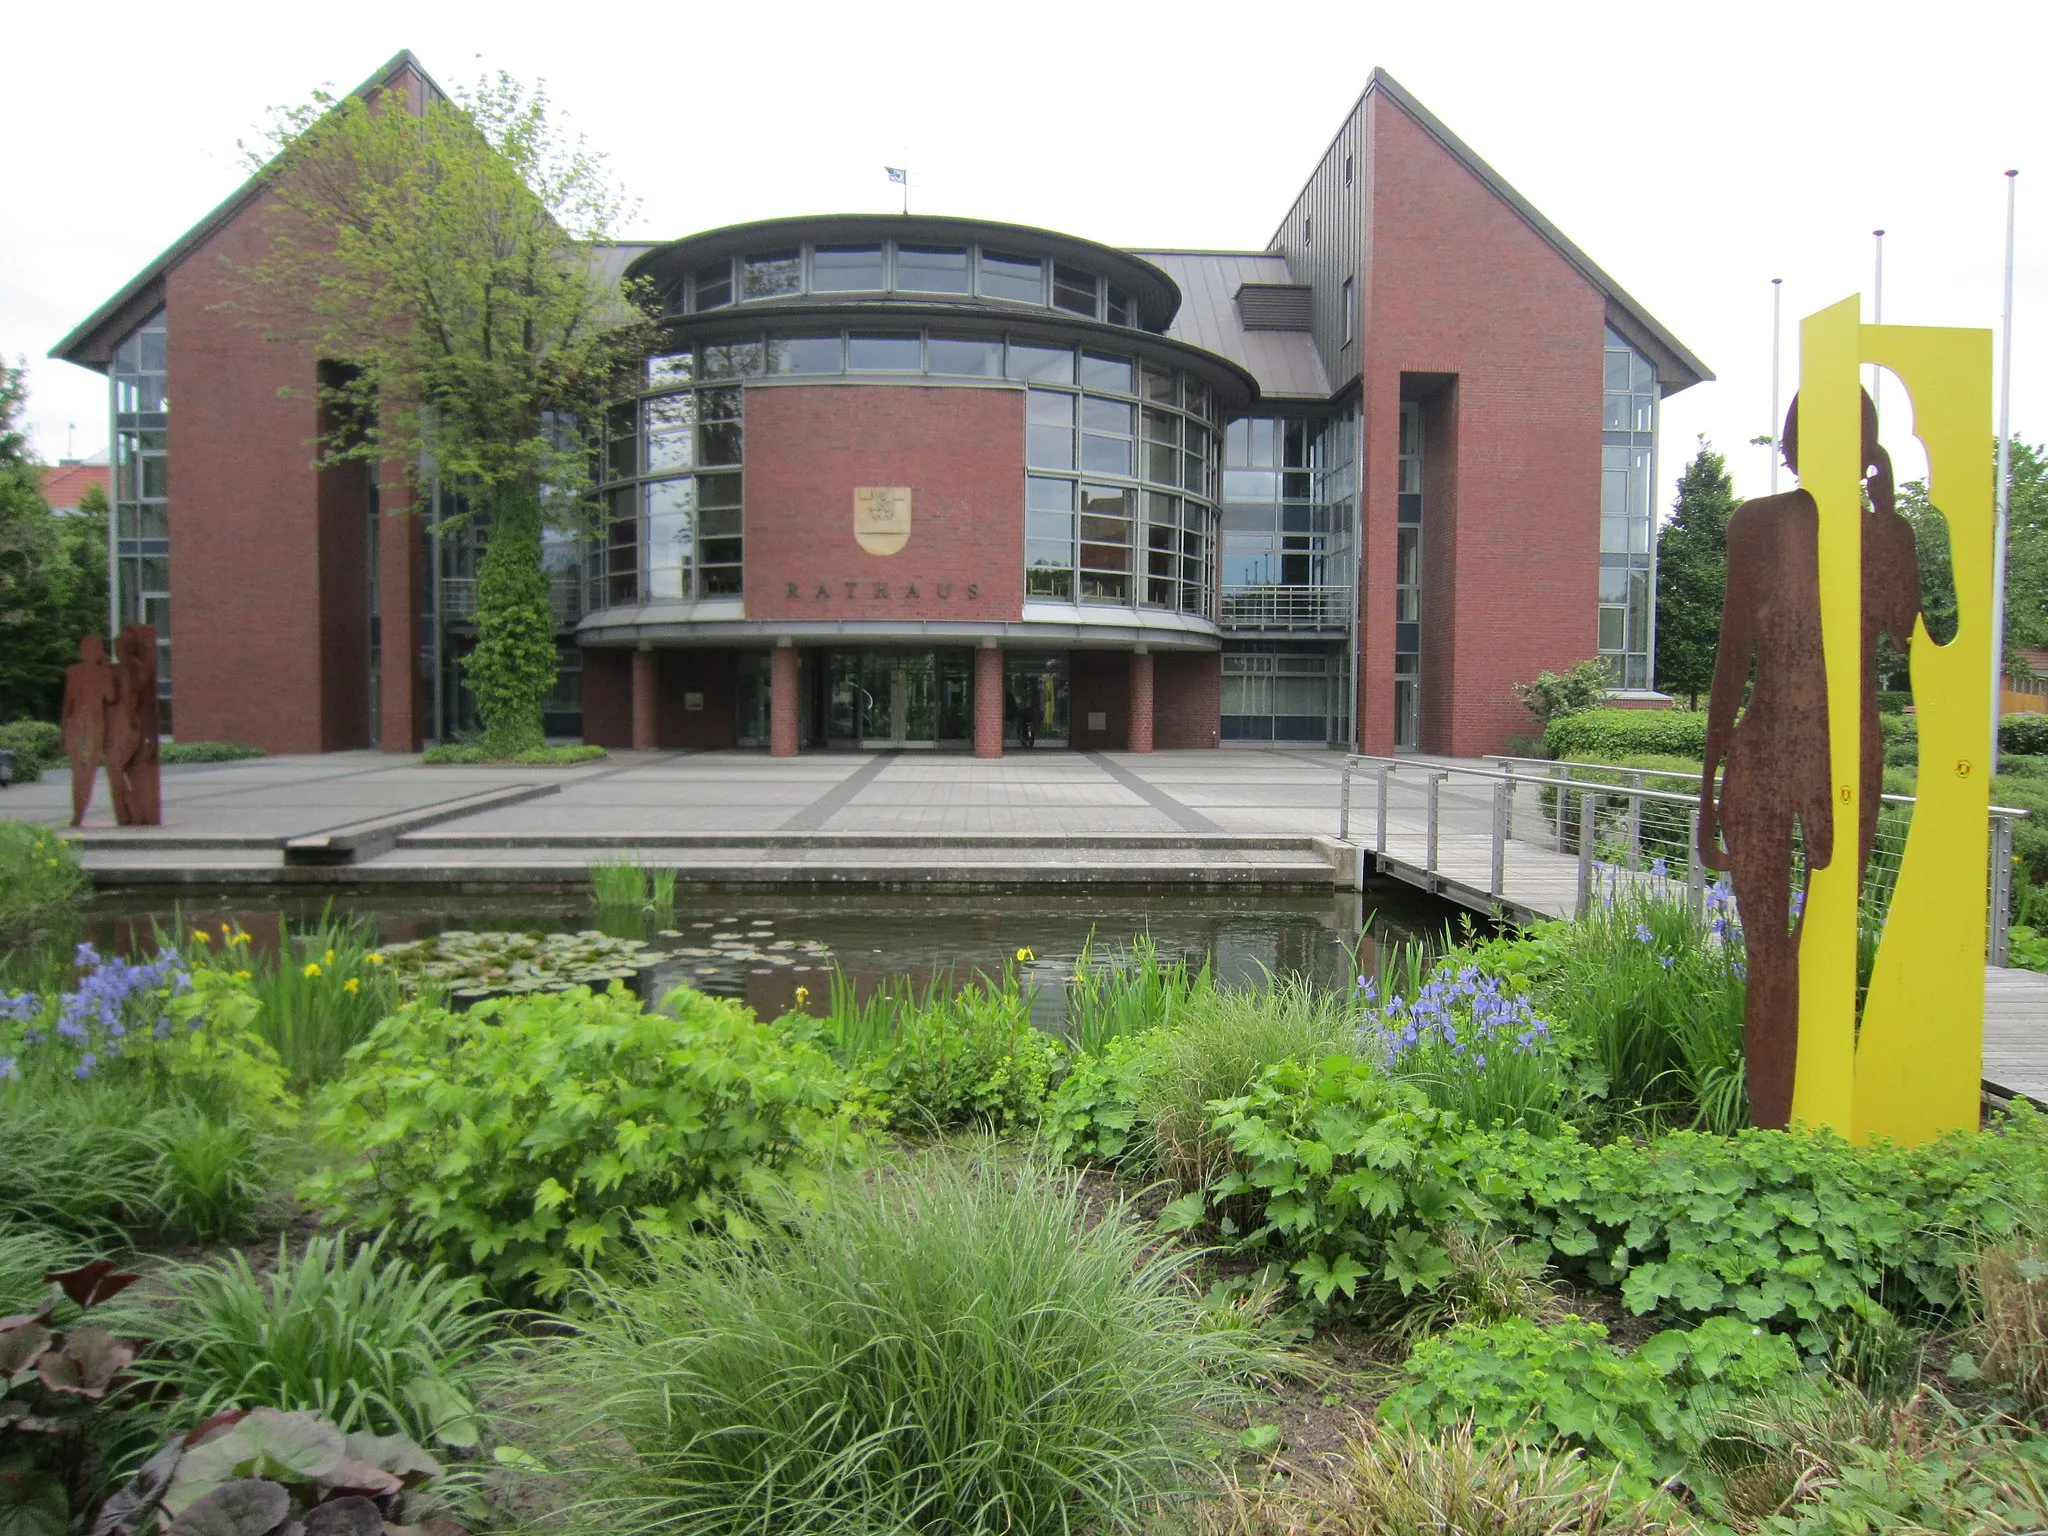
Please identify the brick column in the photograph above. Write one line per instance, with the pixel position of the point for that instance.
(988, 702)
(643, 700)
(782, 712)
(1141, 700)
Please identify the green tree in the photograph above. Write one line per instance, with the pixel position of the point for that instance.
(2026, 565)
(1692, 575)
(32, 650)
(82, 569)
(449, 258)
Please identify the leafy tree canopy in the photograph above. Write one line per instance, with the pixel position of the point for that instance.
(53, 571)
(2026, 568)
(1692, 575)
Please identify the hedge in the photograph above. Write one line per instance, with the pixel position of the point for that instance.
(2026, 735)
(1603, 735)
(36, 745)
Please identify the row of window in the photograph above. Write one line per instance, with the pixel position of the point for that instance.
(933, 353)
(141, 488)
(1096, 543)
(1627, 515)
(899, 267)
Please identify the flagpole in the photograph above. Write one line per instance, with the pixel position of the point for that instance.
(2004, 500)
(1777, 421)
(1877, 316)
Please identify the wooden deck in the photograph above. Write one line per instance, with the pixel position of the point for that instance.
(1541, 882)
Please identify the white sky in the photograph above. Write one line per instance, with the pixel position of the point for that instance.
(1694, 151)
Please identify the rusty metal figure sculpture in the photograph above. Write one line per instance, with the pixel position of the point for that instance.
(134, 767)
(1767, 722)
(88, 697)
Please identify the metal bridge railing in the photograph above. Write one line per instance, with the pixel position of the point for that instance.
(1287, 608)
(1643, 820)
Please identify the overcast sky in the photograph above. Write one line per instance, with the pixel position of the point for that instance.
(1694, 151)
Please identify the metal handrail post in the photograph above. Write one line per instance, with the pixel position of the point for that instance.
(1435, 780)
(1562, 774)
(1635, 824)
(1999, 949)
(1381, 845)
(1344, 806)
(1498, 887)
(1695, 874)
(1508, 829)
(1586, 799)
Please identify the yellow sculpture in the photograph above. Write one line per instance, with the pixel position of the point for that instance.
(1915, 1067)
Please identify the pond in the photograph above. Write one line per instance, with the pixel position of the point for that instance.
(760, 947)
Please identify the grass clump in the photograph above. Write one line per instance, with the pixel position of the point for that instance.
(628, 885)
(212, 1173)
(1396, 1481)
(207, 752)
(75, 1159)
(366, 1338)
(321, 989)
(1115, 994)
(41, 881)
(2008, 1292)
(29, 1251)
(952, 1345)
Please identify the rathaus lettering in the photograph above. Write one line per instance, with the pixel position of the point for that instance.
(857, 591)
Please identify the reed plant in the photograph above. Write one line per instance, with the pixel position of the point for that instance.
(629, 885)
(958, 1344)
(1118, 993)
(351, 1331)
(42, 883)
(322, 989)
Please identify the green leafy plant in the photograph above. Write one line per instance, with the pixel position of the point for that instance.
(1562, 1383)
(268, 1473)
(1093, 1113)
(1127, 992)
(533, 1136)
(1582, 686)
(1607, 735)
(956, 1345)
(358, 1334)
(54, 1383)
(470, 965)
(1395, 1480)
(530, 757)
(207, 752)
(42, 883)
(212, 1175)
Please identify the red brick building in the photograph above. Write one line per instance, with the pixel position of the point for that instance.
(912, 480)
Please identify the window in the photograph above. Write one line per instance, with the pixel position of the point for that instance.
(1347, 170)
(138, 383)
(772, 274)
(1048, 429)
(669, 368)
(1048, 538)
(1307, 231)
(1049, 365)
(1349, 308)
(718, 426)
(966, 356)
(846, 268)
(1012, 277)
(1106, 373)
(931, 268)
(882, 354)
(671, 432)
(1627, 613)
(1121, 310)
(713, 285)
(1073, 290)
(1105, 543)
(803, 354)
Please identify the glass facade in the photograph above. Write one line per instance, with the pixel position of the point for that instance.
(887, 266)
(1628, 467)
(1408, 581)
(1276, 691)
(141, 500)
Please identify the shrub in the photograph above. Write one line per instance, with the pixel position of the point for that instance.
(1093, 1115)
(364, 1338)
(1901, 740)
(1894, 702)
(1222, 1044)
(529, 757)
(2026, 735)
(1582, 686)
(937, 1061)
(956, 1346)
(1603, 735)
(212, 1176)
(2008, 1292)
(36, 745)
(41, 882)
(532, 1135)
(1394, 1480)
(1562, 1383)
(207, 752)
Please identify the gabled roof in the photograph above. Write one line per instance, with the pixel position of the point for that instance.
(1285, 363)
(91, 344)
(64, 483)
(1676, 365)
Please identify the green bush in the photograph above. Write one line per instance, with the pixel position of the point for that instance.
(2026, 735)
(1582, 686)
(42, 883)
(1894, 703)
(207, 752)
(212, 1175)
(528, 757)
(1901, 740)
(958, 1346)
(365, 1338)
(1093, 1115)
(1604, 735)
(36, 745)
(969, 1059)
(532, 1136)
(1561, 1383)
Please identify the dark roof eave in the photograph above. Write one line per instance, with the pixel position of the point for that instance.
(1674, 360)
(88, 347)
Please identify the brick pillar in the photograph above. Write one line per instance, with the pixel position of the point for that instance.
(1141, 701)
(988, 702)
(782, 711)
(643, 701)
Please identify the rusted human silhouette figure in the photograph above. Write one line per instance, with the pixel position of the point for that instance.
(133, 766)
(1776, 753)
(88, 698)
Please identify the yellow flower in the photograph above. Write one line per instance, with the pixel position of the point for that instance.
(240, 938)
(803, 995)
(242, 976)
(1024, 955)
(201, 936)
(312, 969)
(330, 957)
(225, 930)
(52, 863)
(374, 958)
(350, 985)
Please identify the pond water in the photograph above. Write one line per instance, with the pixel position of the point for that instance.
(760, 947)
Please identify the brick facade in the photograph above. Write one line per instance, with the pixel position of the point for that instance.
(1509, 334)
(1099, 682)
(960, 452)
(989, 702)
(1141, 701)
(1187, 699)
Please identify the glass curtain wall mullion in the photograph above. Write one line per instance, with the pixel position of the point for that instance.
(139, 521)
(1627, 596)
(1408, 558)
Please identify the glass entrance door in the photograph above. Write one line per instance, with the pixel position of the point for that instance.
(882, 700)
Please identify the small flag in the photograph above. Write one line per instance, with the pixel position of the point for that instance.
(897, 173)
